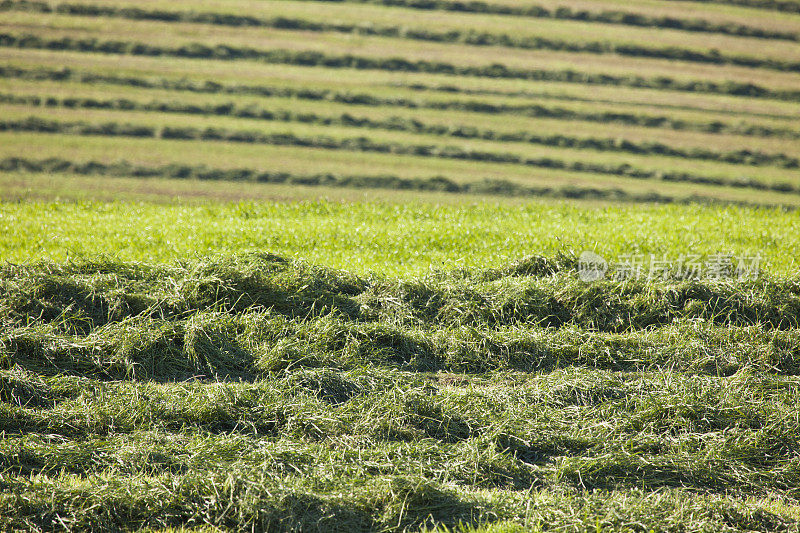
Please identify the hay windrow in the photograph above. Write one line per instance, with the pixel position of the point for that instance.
(323, 400)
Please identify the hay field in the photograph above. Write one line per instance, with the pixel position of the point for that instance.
(311, 265)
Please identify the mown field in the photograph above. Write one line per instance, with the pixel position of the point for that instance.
(639, 101)
(313, 265)
(263, 393)
(160, 370)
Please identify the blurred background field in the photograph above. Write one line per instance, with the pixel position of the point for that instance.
(631, 102)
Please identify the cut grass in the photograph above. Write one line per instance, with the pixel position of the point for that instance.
(373, 52)
(321, 400)
(407, 102)
(386, 14)
(383, 84)
(296, 166)
(747, 154)
(455, 117)
(689, 10)
(79, 188)
(439, 365)
(215, 184)
(192, 128)
(592, 36)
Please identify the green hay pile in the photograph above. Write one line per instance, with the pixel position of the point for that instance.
(258, 393)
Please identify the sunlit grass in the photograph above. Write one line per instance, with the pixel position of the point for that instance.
(393, 238)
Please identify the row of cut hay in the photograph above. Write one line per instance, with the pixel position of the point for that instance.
(414, 125)
(364, 144)
(393, 64)
(243, 317)
(471, 37)
(213, 346)
(296, 290)
(486, 186)
(561, 13)
(365, 99)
